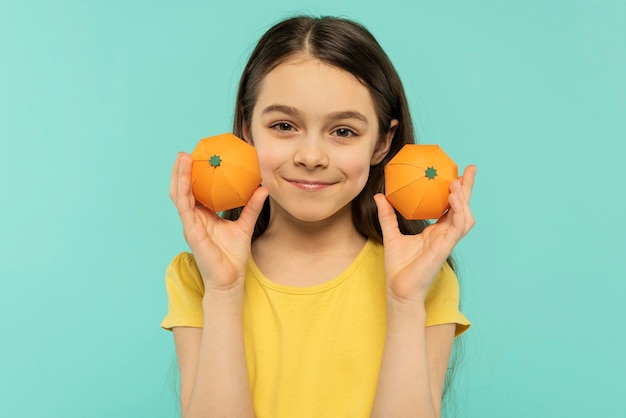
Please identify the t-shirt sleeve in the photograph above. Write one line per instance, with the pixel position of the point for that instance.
(442, 301)
(185, 290)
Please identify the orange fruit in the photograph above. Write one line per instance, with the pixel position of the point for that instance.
(417, 181)
(225, 172)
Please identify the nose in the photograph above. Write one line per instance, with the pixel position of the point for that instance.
(311, 153)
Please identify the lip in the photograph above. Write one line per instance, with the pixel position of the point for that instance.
(311, 185)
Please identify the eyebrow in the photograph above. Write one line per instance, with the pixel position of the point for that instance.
(289, 110)
(350, 114)
(281, 108)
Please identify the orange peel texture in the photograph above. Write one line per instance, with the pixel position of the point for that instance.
(417, 181)
(225, 172)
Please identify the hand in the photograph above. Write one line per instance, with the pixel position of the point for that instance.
(413, 261)
(221, 247)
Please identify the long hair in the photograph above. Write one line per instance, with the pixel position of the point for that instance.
(351, 47)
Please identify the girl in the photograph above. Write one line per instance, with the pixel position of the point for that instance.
(290, 307)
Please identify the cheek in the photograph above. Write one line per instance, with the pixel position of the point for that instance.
(357, 167)
(269, 159)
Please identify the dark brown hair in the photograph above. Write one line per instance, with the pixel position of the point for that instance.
(351, 47)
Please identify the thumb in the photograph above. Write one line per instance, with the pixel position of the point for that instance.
(386, 217)
(253, 208)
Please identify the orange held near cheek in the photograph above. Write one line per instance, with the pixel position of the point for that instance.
(417, 181)
(225, 172)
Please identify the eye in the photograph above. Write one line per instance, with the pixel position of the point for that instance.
(282, 126)
(344, 132)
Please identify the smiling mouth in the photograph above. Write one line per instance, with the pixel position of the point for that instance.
(310, 185)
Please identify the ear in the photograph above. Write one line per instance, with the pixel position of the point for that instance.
(245, 131)
(385, 143)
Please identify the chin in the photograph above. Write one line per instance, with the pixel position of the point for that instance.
(319, 215)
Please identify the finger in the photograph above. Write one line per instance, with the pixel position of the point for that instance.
(185, 202)
(386, 217)
(456, 213)
(251, 211)
(455, 193)
(462, 219)
(467, 180)
(174, 179)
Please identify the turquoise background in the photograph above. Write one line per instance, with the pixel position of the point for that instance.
(96, 98)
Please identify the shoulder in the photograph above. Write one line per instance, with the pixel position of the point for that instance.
(185, 290)
(371, 260)
(183, 268)
(444, 299)
(375, 251)
(445, 283)
(183, 273)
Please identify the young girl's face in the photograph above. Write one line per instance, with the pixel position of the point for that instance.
(316, 132)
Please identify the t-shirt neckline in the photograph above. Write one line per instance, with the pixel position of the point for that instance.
(308, 290)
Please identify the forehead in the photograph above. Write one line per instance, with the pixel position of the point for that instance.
(306, 82)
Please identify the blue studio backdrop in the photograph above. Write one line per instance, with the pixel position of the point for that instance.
(96, 99)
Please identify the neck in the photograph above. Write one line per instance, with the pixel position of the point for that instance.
(297, 253)
(325, 236)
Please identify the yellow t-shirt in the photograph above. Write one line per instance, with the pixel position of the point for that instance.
(314, 351)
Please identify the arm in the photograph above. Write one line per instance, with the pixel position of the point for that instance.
(187, 341)
(414, 367)
(415, 357)
(213, 371)
(212, 363)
